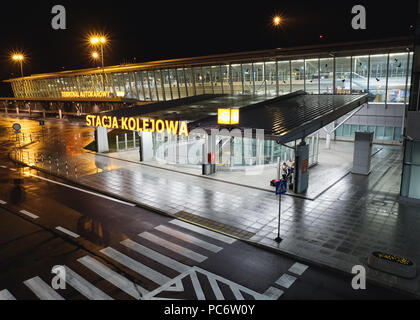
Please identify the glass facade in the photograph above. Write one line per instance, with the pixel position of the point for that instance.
(387, 77)
(381, 133)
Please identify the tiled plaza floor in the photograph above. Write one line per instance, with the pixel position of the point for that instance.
(340, 228)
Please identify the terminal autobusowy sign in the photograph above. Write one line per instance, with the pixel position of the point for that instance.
(392, 258)
(90, 94)
(136, 124)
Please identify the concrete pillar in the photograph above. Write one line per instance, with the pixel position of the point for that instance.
(146, 145)
(182, 150)
(328, 136)
(301, 167)
(101, 139)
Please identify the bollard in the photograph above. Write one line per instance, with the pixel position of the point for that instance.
(17, 110)
(134, 139)
(60, 114)
(126, 141)
(117, 143)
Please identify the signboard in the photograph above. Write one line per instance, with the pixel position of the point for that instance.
(90, 94)
(228, 116)
(16, 127)
(392, 258)
(137, 124)
(281, 187)
(305, 164)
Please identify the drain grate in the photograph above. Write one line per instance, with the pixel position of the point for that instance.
(214, 225)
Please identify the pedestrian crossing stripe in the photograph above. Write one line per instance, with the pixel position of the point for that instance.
(42, 290)
(6, 295)
(235, 288)
(113, 277)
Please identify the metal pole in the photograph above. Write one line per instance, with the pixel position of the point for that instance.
(278, 239)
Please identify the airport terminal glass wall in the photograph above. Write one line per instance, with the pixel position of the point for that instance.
(234, 152)
(385, 76)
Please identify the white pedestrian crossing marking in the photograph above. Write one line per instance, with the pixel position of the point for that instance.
(3, 202)
(162, 259)
(273, 293)
(13, 169)
(190, 239)
(6, 295)
(27, 213)
(85, 287)
(68, 232)
(203, 231)
(192, 274)
(4, 167)
(113, 277)
(173, 247)
(136, 266)
(298, 268)
(42, 290)
(286, 281)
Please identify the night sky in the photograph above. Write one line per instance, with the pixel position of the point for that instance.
(176, 29)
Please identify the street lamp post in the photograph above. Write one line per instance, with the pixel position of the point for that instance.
(99, 41)
(19, 57)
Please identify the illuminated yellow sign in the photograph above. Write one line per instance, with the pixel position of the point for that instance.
(228, 116)
(137, 124)
(90, 94)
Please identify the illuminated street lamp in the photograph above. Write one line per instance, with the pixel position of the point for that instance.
(19, 57)
(95, 55)
(277, 20)
(101, 41)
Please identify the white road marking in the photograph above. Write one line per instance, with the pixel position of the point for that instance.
(42, 290)
(136, 266)
(27, 213)
(273, 293)
(162, 259)
(173, 247)
(203, 231)
(237, 289)
(190, 239)
(216, 290)
(85, 287)
(85, 191)
(3, 202)
(68, 232)
(12, 169)
(4, 167)
(286, 281)
(197, 287)
(113, 277)
(6, 295)
(298, 268)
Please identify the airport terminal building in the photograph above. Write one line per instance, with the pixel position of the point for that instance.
(296, 95)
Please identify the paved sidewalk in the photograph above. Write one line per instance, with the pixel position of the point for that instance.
(339, 229)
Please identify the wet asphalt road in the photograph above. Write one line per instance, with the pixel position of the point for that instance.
(30, 247)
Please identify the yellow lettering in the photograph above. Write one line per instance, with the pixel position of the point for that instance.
(88, 121)
(115, 123)
(160, 126)
(124, 123)
(184, 129)
(132, 124)
(145, 125)
(98, 121)
(172, 126)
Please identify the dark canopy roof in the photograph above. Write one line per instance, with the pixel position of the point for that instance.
(291, 117)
